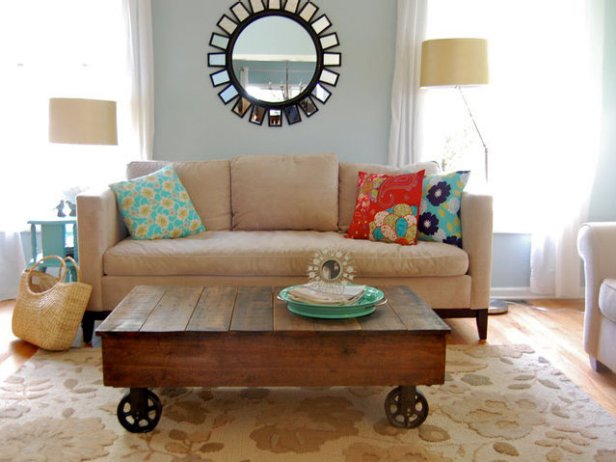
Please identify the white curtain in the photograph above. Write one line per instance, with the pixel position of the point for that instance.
(555, 264)
(12, 263)
(138, 17)
(556, 269)
(12, 259)
(403, 133)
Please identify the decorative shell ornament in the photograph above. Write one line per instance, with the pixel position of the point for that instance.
(330, 270)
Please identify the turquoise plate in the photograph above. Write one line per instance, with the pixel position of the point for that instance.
(364, 306)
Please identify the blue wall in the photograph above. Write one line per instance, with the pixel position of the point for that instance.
(511, 260)
(192, 122)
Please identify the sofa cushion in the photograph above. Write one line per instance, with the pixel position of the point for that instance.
(277, 253)
(347, 189)
(285, 192)
(607, 299)
(439, 218)
(207, 182)
(157, 206)
(384, 203)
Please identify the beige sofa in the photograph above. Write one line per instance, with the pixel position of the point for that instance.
(265, 217)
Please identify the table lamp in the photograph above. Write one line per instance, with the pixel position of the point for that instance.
(81, 121)
(456, 62)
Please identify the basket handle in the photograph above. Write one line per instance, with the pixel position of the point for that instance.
(76, 266)
(53, 257)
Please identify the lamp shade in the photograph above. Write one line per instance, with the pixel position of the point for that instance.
(82, 121)
(454, 61)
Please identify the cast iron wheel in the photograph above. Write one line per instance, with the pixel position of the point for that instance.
(140, 420)
(406, 413)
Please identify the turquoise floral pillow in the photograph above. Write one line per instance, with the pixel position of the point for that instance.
(157, 206)
(439, 214)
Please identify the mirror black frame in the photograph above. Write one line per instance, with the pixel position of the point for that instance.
(322, 80)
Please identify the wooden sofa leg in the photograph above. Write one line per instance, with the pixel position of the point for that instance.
(482, 323)
(87, 323)
(481, 317)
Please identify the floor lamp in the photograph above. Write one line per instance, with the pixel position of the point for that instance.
(456, 62)
(82, 121)
(459, 62)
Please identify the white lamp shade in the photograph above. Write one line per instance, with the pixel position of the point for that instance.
(454, 61)
(82, 121)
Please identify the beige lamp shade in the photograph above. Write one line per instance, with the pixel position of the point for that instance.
(82, 121)
(454, 61)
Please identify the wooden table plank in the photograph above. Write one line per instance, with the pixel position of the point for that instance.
(253, 310)
(413, 311)
(384, 318)
(282, 359)
(133, 310)
(332, 325)
(214, 310)
(174, 310)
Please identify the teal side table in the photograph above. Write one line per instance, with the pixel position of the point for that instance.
(58, 237)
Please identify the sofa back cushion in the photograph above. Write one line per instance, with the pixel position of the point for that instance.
(285, 192)
(347, 193)
(207, 183)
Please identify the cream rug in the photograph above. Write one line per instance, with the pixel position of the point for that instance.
(498, 404)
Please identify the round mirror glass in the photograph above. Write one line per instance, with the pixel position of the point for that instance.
(330, 270)
(274, 59)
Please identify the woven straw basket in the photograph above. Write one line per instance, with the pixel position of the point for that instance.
(48, 310)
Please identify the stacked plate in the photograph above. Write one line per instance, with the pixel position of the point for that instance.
(351, 301)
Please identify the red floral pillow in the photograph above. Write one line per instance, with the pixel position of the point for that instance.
(387, 207)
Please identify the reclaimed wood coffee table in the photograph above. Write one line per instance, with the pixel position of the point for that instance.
(244, 336)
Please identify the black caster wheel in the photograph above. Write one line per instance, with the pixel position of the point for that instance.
(139, 411)
(406, 407)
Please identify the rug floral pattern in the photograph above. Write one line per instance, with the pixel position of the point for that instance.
(498, 404)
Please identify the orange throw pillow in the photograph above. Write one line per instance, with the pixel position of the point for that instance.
(387, 207)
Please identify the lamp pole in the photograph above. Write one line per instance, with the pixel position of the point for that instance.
(485, 147)
(495, 306)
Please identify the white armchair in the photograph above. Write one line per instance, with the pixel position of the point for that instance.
(597, 247)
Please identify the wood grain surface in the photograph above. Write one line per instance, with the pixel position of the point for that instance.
(246, 336)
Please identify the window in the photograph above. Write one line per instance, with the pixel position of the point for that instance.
(538, 115)
(64, 48)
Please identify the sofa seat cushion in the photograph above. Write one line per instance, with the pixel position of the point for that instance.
(277, 253)
(607, 299)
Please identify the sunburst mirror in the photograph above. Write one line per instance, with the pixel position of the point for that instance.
(330, 270)
(274, 60)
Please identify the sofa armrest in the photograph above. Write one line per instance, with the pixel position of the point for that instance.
(476, 216)
(597, 247)
(99, 227)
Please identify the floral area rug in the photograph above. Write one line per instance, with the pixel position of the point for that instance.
(499, 403)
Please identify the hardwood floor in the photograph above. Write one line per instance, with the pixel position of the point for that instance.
(13, 352)
(552, 327)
